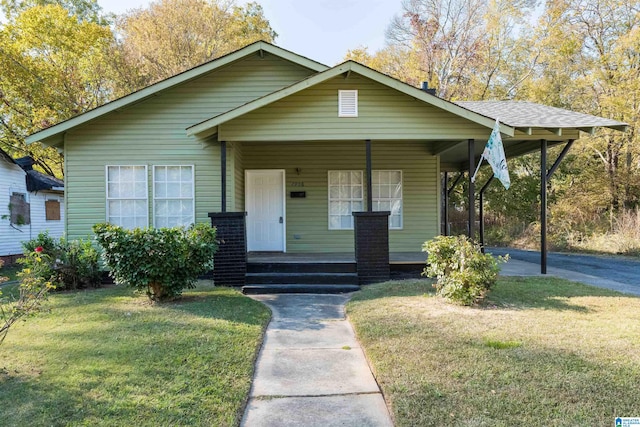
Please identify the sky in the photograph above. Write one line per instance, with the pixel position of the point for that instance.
(322, 30)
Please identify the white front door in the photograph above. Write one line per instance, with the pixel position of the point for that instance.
(264, 200)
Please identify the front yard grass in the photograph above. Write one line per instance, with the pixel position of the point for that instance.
(106, 358)
(538, 352)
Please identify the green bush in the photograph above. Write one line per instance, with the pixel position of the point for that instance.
(463, 273)
(72, 264)
(77, 264)
(161, 262)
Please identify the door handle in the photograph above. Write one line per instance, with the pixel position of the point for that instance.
(281, 220)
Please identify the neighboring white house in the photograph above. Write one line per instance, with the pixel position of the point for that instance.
(30, 202)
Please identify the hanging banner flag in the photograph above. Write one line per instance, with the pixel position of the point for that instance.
(494, 154)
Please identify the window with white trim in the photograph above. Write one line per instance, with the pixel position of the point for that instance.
(127, 199)
(345, 197)
(173, 196)
(347, 103)
(386, 192)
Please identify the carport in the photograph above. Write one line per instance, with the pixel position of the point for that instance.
(537, 127)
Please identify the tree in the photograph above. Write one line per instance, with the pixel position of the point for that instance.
(589, 61)
(85, 10)
(171, 36)
(54, 66)
(465, 49)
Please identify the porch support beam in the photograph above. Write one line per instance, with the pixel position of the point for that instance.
(445, 203)
(563, 153)
(472, 189)
(543, 206)
(369, 178)
(481, 212)
(223, 176)
(446, 193)
(545, 176)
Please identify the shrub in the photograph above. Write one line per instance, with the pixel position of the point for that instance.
(78, 264)
(161, 262)
(72, 264)
(463, 273)
(33, 291)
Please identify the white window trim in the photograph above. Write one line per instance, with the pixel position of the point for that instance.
(193, 191)
(106, 189)
(373, 199)
(341, 112)
(329, 200)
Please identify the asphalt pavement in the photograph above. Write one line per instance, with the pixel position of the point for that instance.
(624, 270)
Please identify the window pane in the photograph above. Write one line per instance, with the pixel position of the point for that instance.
(389, 196)
(344, 178)
(161, 190)
(397, 191)
(185, 190)
(113, 174)
(113, 190)
(334, 192)
(160, 173)
(334, 222)
(173, 190)
(356, 207)
(395, 221)
(356, 192)
(334, 178)
(173, 174)
(141, 190)
(395, 177)
(186, 174)
(356, 177)
(140, 174)
(345, 222)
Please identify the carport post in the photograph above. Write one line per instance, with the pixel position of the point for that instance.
(481, 213)
(472, 189)
(544, 179)
(543, 206)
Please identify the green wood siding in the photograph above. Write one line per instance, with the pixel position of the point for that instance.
(383, 114)
(307, 219)
(152, 132)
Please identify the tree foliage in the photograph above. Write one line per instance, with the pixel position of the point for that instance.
(54, 66)
(171, 36)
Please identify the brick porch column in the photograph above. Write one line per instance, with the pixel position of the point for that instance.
(230, 261)
(371, 233)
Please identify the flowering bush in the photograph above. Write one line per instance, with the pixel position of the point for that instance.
(34, 288)
(74, 264)
(463, 273)
(161, 262)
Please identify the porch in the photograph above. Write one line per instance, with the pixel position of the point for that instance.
(335, 272)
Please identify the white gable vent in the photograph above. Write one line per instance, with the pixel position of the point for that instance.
(347, 103)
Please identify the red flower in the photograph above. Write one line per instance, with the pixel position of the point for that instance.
(39, 249)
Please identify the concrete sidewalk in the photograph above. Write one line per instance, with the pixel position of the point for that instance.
(311, 370)
(516, 267)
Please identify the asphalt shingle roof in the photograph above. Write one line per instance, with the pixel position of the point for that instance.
(529, 114)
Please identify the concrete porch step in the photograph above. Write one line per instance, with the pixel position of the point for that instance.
(282, 278)
(298, 289)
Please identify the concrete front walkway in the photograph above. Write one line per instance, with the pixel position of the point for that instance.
(311, 370)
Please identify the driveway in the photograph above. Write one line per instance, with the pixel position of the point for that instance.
(617, 268)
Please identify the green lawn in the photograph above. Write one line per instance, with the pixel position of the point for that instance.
(108, 358)
(10, 272)
(538, 352)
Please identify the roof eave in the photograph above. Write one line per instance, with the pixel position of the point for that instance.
(205, 128)
(52, 136)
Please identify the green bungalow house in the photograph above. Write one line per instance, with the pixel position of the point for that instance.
(280, 152)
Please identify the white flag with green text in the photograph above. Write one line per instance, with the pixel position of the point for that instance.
(494, 154)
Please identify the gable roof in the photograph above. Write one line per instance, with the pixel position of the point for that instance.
(208, 127)
(54, 133)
